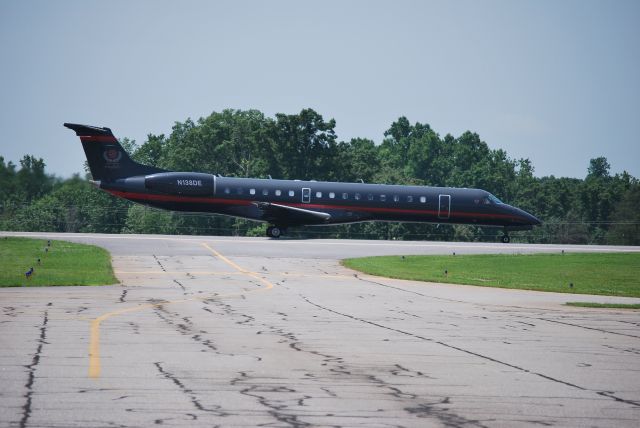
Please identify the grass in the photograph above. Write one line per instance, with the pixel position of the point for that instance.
(616, 274)
(605, 305)
(65, 263)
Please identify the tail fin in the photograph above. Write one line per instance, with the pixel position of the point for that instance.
(107, 159)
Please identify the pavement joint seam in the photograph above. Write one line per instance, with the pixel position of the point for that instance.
(606, 394)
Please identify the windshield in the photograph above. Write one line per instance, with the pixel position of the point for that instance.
(493, 199)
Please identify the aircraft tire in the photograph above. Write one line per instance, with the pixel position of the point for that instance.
(506, 239)
(273, 232)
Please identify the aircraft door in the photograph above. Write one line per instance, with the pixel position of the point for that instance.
(444, 206)
(306, 195)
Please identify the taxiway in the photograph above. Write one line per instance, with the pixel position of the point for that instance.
(206, 331)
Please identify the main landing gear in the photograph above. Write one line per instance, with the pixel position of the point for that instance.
(505, 239)
(274, 232)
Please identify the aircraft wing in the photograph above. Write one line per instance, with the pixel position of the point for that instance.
(291, 216)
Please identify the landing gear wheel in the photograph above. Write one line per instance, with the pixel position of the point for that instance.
(505, 239)
(273, 232)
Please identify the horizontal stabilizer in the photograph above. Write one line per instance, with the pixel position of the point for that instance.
(86, 130)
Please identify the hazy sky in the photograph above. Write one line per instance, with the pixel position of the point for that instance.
(554, 81)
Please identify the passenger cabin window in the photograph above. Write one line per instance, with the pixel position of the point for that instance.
(383, 198)
(357, 196)
(345, 196)
(409, 198)
(423, 199)
(252, 191)
(278, 192)
(265, 192)
(292, 193)
(227, 191)
(396, 198)
(332, 195)
(370, 196)
(318, 194)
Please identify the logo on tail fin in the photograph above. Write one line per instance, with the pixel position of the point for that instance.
(112, 155)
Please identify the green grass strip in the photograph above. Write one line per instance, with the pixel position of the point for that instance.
(611, 274)
(62, 263)
(605, 305)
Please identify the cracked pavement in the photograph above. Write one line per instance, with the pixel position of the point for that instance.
(279, 334)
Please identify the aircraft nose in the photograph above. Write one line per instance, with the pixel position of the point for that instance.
(529, 219)
(535, 221)
(524, 217)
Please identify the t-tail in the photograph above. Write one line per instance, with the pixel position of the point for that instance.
(107, 159)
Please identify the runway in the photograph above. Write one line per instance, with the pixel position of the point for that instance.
(221, 331)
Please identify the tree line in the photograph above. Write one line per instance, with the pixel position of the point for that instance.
(601, 208)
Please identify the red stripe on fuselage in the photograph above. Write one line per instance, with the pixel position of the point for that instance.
(99, 138)
(173, 198)
(214, 201)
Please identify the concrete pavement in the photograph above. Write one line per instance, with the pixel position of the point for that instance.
(206, 331)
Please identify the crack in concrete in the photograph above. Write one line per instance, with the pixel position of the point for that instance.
(193, 398)
(340, 368)
(403, 371)
(502, 306)
(607, 394)
(159, 264)
(587, 328)
(27, 407)
(184, 290)
(185, 327)
(135, 327)
(430, 410)
(274, 406)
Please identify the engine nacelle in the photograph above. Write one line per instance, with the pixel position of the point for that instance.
(181, 183)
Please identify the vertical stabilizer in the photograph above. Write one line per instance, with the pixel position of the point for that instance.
(107, 159)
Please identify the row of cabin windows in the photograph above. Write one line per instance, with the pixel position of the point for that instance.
(265, 192)
(332, 195)
(371, 197)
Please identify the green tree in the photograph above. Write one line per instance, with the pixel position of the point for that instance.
(141, 219)
(31, 179)
(304, 146)
(598, 168)
(360, 160)
(72, 206)
(626, 218)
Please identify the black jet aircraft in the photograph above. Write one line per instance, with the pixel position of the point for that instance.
(289, 203)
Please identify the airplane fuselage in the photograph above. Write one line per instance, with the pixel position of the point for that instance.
(344, 202)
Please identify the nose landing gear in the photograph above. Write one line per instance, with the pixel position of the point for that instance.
(505, 239)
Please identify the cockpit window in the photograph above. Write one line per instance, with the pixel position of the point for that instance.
(493, 199)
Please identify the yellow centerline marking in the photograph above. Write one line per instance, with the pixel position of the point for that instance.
(94, 342)
(240, 269)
